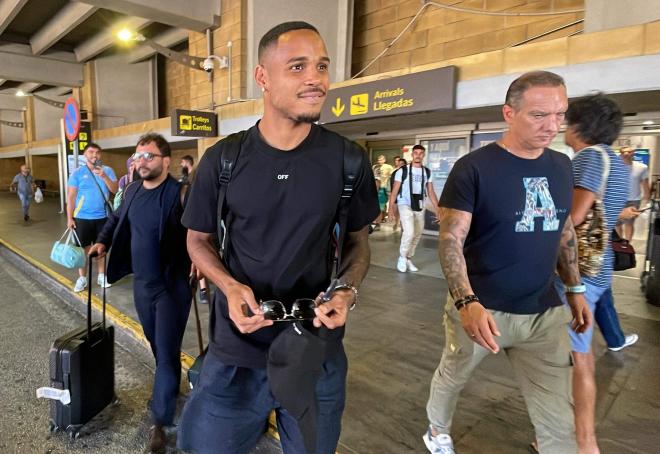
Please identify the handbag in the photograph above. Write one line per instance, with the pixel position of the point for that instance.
(69, 254)
(592, 234)
(624, 253)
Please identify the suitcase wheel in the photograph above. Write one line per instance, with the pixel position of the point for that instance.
(74, 432)
(52, 427)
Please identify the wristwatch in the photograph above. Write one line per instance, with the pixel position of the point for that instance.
(341, 286)
(576, 288)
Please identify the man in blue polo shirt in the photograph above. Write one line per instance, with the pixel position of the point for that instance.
(87, 206)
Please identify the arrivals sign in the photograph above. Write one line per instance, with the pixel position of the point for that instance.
(194, 123)
(412, 93)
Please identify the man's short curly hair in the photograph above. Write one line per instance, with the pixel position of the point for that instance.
(595, 118)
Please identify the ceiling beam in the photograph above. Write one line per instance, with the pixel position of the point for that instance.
(66, 19)
(29, 68)
(25, 49)
(28, 87)
(169, 38)
(191, 14)
(8, 11)
(62, 91)
(107, 38)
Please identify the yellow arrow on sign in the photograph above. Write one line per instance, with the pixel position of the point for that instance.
(338, 108)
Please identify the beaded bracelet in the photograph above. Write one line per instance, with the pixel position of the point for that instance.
(461, 303)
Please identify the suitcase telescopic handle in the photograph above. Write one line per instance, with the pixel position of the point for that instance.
(89, 294)
(198, 324)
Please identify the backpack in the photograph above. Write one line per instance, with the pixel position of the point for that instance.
(229, 155)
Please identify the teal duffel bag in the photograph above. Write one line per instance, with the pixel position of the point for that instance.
(68, 253)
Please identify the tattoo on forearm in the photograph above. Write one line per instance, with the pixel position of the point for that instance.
(454, 227)
(567, 262)
(356, 257)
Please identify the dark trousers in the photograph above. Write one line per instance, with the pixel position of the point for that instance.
(228, 411)
(608, 320)
(163, 313)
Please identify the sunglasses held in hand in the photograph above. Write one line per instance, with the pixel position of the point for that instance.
(301, 309)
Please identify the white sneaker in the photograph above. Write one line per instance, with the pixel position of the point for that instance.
(630, 339)
(440, 444)
(411, 266)
(81, 284)
(402, 264)
(102, 281)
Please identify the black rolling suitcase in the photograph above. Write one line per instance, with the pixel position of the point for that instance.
(83, 362)
(651, 275)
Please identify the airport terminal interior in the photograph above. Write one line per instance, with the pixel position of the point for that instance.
(402, 73)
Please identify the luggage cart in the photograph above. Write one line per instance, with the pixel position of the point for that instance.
(651, 275)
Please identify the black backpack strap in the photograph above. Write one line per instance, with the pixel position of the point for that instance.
(229, 153)
(353, 157)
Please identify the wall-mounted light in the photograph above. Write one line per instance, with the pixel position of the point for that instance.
(199, 63)
(50, 102)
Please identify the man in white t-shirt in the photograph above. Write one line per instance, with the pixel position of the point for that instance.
(640, 190)
(408, 195)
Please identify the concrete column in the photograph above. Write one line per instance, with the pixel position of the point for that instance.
(28, 129)
(87, 95)
(607, 14)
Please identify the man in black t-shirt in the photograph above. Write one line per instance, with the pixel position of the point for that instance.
(281, 204)
(148, 240)
(504, 230)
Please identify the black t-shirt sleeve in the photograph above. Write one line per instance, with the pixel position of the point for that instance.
(364, 203)
(460, 190)
(202, 204)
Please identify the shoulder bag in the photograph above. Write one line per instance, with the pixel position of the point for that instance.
(108, 207)
(592, 234)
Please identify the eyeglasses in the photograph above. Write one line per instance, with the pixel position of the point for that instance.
(302, 309)
(147, 156)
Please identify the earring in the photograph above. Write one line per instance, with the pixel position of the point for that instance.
(263, 89)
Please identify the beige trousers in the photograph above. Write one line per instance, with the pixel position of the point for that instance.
(539, 349)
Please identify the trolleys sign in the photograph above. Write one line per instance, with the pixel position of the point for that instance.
(194, 123)
(418, 92)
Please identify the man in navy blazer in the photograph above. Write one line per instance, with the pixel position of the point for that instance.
(148, 240)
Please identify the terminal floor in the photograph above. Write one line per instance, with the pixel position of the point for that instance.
(394, 342)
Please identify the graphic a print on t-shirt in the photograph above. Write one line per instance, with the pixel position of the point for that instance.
(538, 203)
